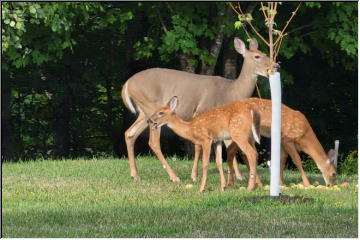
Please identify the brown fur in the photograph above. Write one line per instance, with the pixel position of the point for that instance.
(230, 121)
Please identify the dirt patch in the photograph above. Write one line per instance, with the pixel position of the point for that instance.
(282, 198)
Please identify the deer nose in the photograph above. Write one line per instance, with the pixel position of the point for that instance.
(277, 65)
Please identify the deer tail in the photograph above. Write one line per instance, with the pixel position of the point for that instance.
(126, 98)
(255, 127)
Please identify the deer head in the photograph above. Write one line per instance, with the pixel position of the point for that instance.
(254, 58)
(163, 115)
(330, 170)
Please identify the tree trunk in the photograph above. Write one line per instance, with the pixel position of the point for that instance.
(229, 62)
(62, 127)
(112, 133)
(6, 131)
(216, 46)
(133, 34)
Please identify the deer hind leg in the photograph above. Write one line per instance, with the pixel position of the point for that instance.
(251, 155)
(206, 148)
(231, 151)
(194, 171)
(246, 161)
(131, 134)
(219, 165)
(154, 143)
(290, 148)
(283, 158)
(238, 174)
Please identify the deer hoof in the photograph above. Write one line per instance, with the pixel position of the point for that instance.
(194, 178)
(176, 179)
(240, 178)
(305, 184)
(135, 178)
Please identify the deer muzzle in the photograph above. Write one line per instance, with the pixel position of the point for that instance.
(152, 123)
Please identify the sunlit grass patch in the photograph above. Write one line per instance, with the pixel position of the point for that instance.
(97, 198)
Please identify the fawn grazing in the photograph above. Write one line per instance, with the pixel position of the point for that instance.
(296, 135)
(236, 121)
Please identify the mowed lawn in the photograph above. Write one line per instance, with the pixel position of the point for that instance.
(97, 198)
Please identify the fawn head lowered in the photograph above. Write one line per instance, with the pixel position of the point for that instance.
(329, 172)
(254, 58)
(164, 114)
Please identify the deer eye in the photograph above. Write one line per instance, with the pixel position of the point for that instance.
(161, 113)
(257, 56)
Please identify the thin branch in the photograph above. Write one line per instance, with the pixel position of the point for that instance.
(287, 23)
(247, 34)
(299, 28)
(305, 34)
(253, 28)
(277, 49)
(161, 20)
(233, 8)
(257, 89)
(262, 8)
(170, 8)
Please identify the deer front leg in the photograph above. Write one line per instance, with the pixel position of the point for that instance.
(290, 148)
(238, 174)
(231, 151)
(154, 143)
(131, 134)
(194, 172)
(283, 158)
(219, 165)
(206, 147)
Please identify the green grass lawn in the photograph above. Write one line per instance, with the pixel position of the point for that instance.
(97, 198)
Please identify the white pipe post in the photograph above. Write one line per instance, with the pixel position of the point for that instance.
(275, 89)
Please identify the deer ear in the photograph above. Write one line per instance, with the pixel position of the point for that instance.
(253, 44)
(173, 103)
(239, 46)
(332, 155)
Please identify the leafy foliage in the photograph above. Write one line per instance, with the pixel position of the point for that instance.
(349, 163)
(64, 64)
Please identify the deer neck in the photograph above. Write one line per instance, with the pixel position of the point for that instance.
(317, 152)
(244, 85)
(180, 126)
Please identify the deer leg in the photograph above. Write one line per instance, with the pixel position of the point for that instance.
(283, 158)
(206, 148)
(194, 171)
(154, 143)
(290, 148)
(231, 151)
(219, 165)
(131, 134)
(235, 162)
(251, 156)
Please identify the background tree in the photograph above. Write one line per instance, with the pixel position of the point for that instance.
(64, 63)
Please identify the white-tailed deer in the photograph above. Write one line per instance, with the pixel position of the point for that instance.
(296, 135)
(235, 121)
(148, 90)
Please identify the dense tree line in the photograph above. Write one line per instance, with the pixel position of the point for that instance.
(64, 63)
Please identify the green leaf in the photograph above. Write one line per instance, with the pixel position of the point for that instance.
(237, 24)
(12, 23)
(32, 9)
(19, 25)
